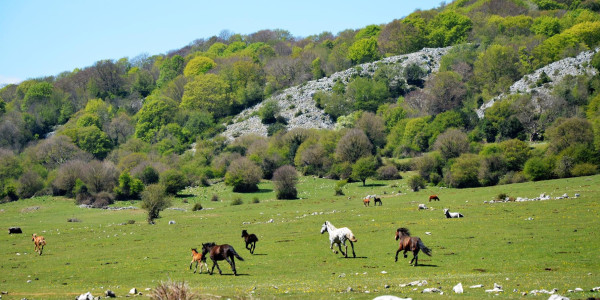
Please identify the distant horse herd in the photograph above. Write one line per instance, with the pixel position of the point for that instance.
(337, 236)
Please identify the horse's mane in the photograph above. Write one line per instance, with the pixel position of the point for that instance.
(404, 231)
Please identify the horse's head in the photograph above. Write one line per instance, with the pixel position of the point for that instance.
(33, 236)
(194, 250)
(206, 247)
(244, 233)
(402, 231)
(324, 227)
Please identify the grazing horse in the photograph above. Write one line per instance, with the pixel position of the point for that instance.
(367, 200)
(408, 243)
(221, 252)
(339, 236)
(452, 214)
(39, 243)
(434, 197)
(378, 200)
(250, 240)
(198, 258)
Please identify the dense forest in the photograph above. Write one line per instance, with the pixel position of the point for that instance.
(105, 132)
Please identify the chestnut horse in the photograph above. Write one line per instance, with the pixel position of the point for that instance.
(434, 197)
(408, 243)
(198, 258)
(367, 201)
(221, 252)
(250, 240)
(39, 243)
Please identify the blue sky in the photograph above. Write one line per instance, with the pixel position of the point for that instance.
(42, 38)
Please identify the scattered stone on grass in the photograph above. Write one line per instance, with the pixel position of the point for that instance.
(458, 288)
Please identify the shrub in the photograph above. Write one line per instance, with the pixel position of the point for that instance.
(537, 168)
(197, 207)
(388, 173)
(416, 183)
(214, 198)
(173, 181)
(73, 220)
(149, 175)
(255, 200)
(584, 169)
(237, 201)
(29, 184)
(501, 196)
(339, 187)
(130, 222)
(172, 290)
(154, 200)
(268, 112)
(244, 175)
(364, 168)
(102, 199)
(285, 179)
(512, 177)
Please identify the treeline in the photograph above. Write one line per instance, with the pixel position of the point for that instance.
(106, 131)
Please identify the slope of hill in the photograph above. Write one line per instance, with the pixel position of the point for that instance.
(298, 107)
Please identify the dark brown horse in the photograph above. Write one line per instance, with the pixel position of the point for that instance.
(408, 243)
(378, 200)
(434, 197)
(221, 252)
(250, 240)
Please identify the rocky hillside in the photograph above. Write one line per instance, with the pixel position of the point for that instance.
(297, 104)
(556, 71)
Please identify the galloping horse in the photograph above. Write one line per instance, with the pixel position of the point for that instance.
(39, 243)
(198, 258)
(339, 236)
(250, 239)
(221, 252)
(434, 197)
(378, 200)
(408, 243)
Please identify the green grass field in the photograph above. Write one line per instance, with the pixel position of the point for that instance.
(494, 243)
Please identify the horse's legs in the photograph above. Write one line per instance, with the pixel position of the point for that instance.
(351, 244)
(249, 244)
(218, 268)
(232, 264)
(253, 247)
(331, 247)
(398, 251)
(340, 247)
(415, 257)
(405, 256)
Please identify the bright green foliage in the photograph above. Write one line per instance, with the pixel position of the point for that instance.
(154, 200)
(207, 92)
(198, 123)
(415, 136)
(415, 183)
(334, 104)
(448, 28)
(546, 25)
(516, 153)
(391, 114)
(496, 68)
(364, 168)
(217, 49)
(596, 61)
(577, 16)
(93, 140)
(367, 94)
(244, 175)
(364, 50)
(170, 68)
(316, 69)
(584, 169)
(233, 48)
(143, 82)
(401, 36)
(173, 181)
(198, 65)
(98, 107)
(259, 51)
(155, 113)
(538, 168)
(268, 112)
(565, 133)
(368, 32)
(39, 92)
(89, 119)
(552, 49)
(463, 172)
(548, 4)
(128, 187)
(511, 25)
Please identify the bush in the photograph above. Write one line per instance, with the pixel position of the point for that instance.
(173, 181)
(149, 175)
(237, 201)
(537, 168)
(244, 175)
(75, 220)
(512, 177)
(214, 198)
(339, 187)
(197, 207)
(501, 196)
(130, 222)
(416, 183)
(584, 169)
(102, 199)
(388, 173)
(29, 184)
(172, 290)
(268, 112)
(255, 200)
(154, 200)
(285, 179)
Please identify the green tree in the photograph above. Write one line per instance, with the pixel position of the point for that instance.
(496, 68)
(93, 140)
(154, 200)
(173, 181)
(156, 112)
(565, 133)
(207, 92)
(364, 168)
(515, 153)
(538, 168)
(367, 94)
(364, 50)
(170, 68)
(464, 171)
(198, 65)
(128, 187)
(448, 28)
(244, 175)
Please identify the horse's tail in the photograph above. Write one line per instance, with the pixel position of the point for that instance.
(424, 248)
(235, 253)
(351, 237)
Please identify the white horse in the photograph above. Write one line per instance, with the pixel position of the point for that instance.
(452, 214)
(339, 236)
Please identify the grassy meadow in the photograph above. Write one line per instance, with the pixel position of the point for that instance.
(522, 246)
